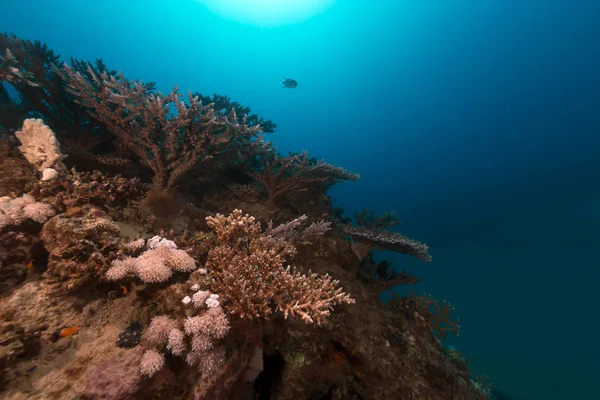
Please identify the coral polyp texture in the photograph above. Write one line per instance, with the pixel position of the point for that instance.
(128, 270)
(156, 264)
(15, 211)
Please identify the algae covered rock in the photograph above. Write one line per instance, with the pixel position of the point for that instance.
(79, 243)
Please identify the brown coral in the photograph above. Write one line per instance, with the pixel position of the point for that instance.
(366, 239)
(282, 176)
(168, 143)
(437, 315)
(10, 72)
(249, 273)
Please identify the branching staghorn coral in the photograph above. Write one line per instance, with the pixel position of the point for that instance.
(45, 98)
(372, 234)
(223, 105)
(10, 72)
(368, 220)
(249, 193)
(248, 267)
(366, 239)
(294, 232)
(282, 176)
(168, 143)
(42, 94)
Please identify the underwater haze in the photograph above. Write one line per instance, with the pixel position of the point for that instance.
(478, 122)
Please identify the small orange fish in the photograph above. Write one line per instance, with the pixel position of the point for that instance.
(69, 331)
(29, 265)
(124, 289)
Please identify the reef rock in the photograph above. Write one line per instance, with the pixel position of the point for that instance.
(79, 247)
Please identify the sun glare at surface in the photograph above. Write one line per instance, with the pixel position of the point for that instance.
(267, 13)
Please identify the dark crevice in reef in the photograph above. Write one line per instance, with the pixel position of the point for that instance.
(270, 376)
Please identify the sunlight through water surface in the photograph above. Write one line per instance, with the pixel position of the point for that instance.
(267, 13)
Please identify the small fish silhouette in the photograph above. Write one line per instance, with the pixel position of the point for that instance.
(289, 83)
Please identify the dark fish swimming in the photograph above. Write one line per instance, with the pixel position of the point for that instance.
(289, 83)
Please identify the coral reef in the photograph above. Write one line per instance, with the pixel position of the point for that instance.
(134, 274)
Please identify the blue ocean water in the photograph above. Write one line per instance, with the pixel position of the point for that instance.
(478, 122)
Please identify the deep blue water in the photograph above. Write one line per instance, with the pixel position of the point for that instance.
(477, 121)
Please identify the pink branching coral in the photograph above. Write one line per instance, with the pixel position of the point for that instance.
(169, 143)
(155, 264)
(282, 176)
(249, 272)
(195, 338)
